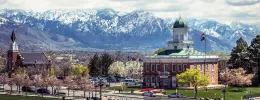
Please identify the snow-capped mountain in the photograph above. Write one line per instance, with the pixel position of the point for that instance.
(109, 29)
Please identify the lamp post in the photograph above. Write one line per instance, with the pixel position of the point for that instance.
(224, 92)
(100, 86)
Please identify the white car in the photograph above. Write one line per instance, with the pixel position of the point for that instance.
(1, 86)
(175, 95)
(148, 93)
(129, 82)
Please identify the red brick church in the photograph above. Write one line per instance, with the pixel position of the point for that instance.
(160, 70)
(32, 62)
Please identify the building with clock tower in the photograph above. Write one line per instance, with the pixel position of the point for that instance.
(160, 69)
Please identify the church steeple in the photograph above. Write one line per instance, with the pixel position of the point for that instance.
(12, 54)
(13, 37)
(13, 46)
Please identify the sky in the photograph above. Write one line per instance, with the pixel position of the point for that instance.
(225, 11)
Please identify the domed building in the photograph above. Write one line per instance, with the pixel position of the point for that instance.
(160, 69)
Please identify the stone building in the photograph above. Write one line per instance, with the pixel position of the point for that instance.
(159, 70)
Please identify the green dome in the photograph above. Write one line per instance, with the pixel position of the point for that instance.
(180, 23)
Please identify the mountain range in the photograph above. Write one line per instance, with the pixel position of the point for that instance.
(107, 29)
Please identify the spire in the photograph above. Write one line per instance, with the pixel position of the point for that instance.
(13, 36)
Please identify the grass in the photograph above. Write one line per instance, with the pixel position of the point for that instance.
(16, 97)
(233, 93)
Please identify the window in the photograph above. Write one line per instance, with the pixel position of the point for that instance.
(180, 67)
(153, 79)
(213, 69)
(184, 67)
(175, 47)
(176, 38)
(188, 47)
(157, 67)
(182, 37)
(201, 67)
(173, 68)
(147, 68)
(152, 67)
(212, 79)
(195, 66)
(166, 67)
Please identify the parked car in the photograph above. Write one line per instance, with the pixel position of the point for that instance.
(175, 95)
(129, 82)
(59, 93)
(119, 79)
(111, 79)
(44, 91)
(28, 89)
(1, 86)
(148, 93)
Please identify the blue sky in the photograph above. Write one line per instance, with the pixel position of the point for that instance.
(226, 11)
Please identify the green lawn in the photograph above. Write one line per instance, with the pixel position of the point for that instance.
(231, 94)
(15, 97)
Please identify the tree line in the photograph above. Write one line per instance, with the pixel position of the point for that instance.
(247, 57)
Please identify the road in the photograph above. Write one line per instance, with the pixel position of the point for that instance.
(80, 93)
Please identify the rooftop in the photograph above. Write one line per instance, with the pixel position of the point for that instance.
(181, 54)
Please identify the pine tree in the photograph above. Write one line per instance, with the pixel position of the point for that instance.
(254, 51)
(106, 61)
(94, 65)
(239, 56)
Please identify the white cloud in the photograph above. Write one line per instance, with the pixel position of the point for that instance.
(220, 10)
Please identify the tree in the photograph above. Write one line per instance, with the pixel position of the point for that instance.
(84, 83)
(18, 80)
(3, 79)
(51, 72)
(58, 84)
(11, 83)
(27, 82)
(79, 71)
(133, 69)
(37, 81)
(51, 81)
(239, 56)
(194, 78)
(106, 61)
(158, 51)
(68, 82)
(117, 68)
(254, 51)
(236, 77)
(94, 65)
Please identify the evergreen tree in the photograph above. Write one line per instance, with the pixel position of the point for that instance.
(106, 61)
(240, 56)
(254, 51)
(94, 65)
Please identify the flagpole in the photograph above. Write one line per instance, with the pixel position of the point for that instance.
(205, 54)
